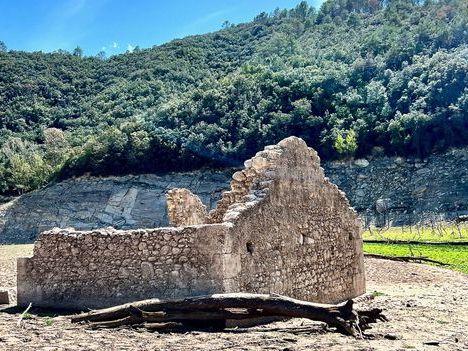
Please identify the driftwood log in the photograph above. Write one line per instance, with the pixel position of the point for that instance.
(216, 309)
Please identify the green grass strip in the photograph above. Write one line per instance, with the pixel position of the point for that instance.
(436, 233)
(455, 256)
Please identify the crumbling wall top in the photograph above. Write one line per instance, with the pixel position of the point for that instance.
(290, 158)
(185, 208)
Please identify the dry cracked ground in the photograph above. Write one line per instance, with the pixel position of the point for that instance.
(427, 309)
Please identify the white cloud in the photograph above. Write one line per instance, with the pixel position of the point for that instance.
(115, 45)
(103, 48)
(130, 47)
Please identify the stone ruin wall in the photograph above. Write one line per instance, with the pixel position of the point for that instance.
(310, 245)
(293, 231)
(184, 208)
(73, 269)
(282, 228)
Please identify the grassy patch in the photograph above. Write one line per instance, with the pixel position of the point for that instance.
(27, 316)
(439, 232)
(456, 256)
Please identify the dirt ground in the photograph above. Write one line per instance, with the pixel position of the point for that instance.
(425, 304)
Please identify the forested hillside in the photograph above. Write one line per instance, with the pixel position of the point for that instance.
(353, 78)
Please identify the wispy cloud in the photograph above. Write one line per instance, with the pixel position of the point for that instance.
(111, 47)
(66, 25)
(130, 47)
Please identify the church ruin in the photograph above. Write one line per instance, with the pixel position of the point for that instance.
(282, 228)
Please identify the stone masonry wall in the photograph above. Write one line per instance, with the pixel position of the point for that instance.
(284, 229)
(72, 269)
(294, 232)
(178, 201)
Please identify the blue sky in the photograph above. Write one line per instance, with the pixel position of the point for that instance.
(118, 25)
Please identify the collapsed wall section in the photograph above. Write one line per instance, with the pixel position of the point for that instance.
(78, 270)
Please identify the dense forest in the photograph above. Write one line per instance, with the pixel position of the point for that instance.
(353, 78)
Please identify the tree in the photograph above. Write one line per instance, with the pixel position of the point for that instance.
(56, 147)
(101, 55)
(24, 166)
(78, 51)
(301, 10)
(226, 24)
(3, 47)
(347, 146)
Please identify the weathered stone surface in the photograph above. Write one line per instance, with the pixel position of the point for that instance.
(4, 297)
(184, 208)
(415, 191)
(294, 231)
(282, 228)
(418, 191)
(88, 203)
(382, 205)
(362, 162)
(177, 262)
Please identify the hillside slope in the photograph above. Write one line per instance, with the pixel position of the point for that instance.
(355, 77)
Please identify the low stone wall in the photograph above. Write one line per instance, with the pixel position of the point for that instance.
(72, 269)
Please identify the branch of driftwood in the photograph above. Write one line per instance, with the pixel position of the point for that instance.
(20, 320)
(216, 309)
(417, 259)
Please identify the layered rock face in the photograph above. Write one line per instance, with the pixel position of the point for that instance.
(130, 202)
(395, 191)
(384, 191)
(281, 228)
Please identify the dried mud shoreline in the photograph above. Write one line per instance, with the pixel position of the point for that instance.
(427, 307)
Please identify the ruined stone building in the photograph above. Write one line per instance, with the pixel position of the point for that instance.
(282, 228)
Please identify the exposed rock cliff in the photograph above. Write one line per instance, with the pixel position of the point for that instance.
(401, 191)
(383, 191)
(89, 203)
